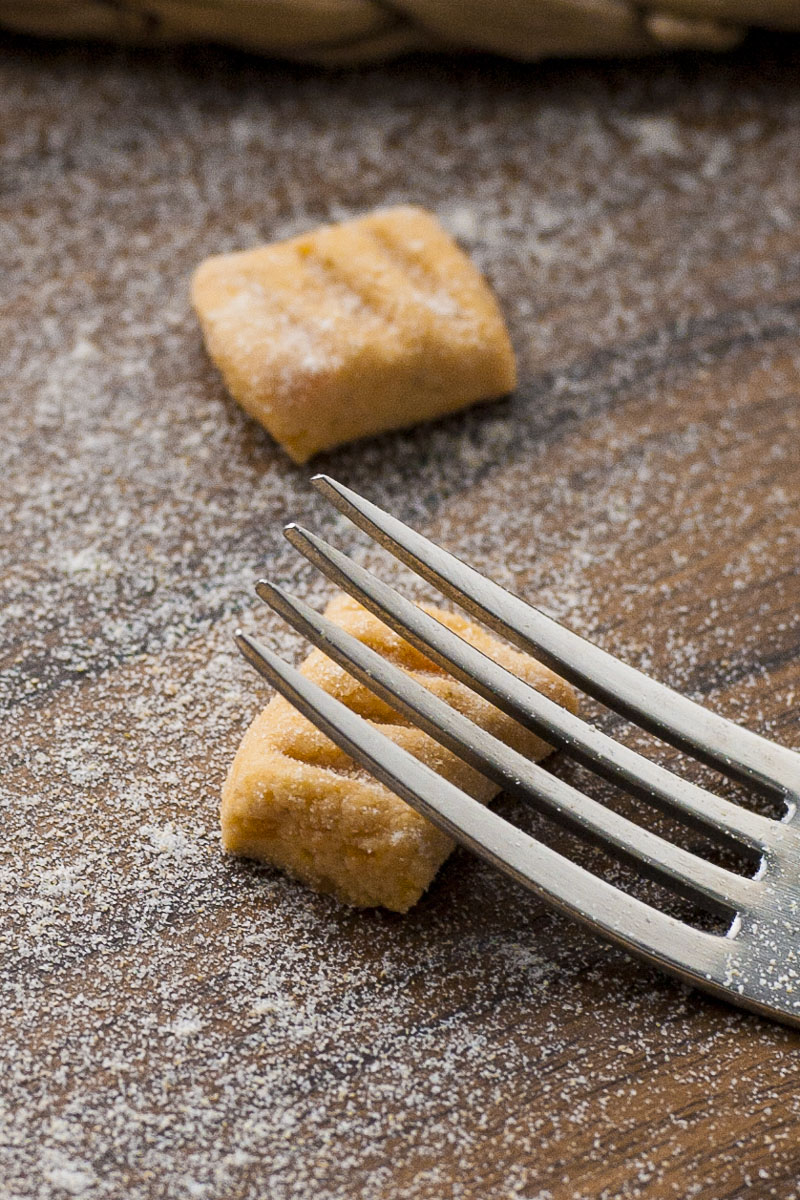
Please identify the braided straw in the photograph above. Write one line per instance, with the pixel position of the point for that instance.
(353, 31)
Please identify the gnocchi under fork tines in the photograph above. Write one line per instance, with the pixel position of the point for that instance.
(756, 962)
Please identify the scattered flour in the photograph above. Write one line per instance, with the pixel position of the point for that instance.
(174, 1024)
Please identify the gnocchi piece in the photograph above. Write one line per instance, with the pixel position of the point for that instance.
(352, 329)
(296, 800)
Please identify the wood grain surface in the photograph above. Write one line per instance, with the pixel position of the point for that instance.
(175, 1023)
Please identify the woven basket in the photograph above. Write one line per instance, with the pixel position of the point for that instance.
(353, 31)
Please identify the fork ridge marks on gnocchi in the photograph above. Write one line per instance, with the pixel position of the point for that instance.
(353, 329)
(294, 799)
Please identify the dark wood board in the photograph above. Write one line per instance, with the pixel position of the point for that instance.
(175, 1023)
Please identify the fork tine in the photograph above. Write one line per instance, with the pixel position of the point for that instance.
(719, 889)
(693, 955)
(735, 751)
(728, 822)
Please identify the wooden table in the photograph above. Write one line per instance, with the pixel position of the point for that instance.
(175, 1023)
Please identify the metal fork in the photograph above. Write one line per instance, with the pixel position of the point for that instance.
(756, 963)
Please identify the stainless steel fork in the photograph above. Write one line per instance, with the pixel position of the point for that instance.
(756, 963)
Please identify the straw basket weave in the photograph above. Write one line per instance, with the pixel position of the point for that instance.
(352, 31)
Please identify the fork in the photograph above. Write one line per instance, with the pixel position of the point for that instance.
(754, 964)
